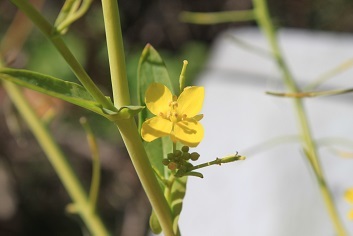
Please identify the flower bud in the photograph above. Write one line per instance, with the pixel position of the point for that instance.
(186, 156)
(165, 162)
(194, 156)
(170, 156)
(177, 153)
(172, 166)
(185, 149)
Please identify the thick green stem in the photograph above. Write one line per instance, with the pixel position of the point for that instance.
(263, 19)
(128, 128)
(48, 30)
(146, 174)
(58, 161)
(116, 53)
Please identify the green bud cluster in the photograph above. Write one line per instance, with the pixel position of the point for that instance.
(179, 161)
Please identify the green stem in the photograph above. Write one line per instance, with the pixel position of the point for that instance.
(263, 19)
(128, 128)
(57, 159)
(49, 31)
(96, 166)
(219, 161)
(116, 53)
(217, 17)
(132, 140)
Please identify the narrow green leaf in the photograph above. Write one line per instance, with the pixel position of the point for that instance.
(176, 203)
(311, 94)
(154, 224)
(152, 69)
(68, 91)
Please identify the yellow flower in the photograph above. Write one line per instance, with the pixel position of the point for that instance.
(174, 117)
(348, 195)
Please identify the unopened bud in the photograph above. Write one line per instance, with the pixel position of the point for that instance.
(172, 166)
(165, 162)
(186, 156)
(185, 149)
(170, 156)
(177, 153)
(194, 156)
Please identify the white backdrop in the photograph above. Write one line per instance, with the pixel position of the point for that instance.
(273, 192)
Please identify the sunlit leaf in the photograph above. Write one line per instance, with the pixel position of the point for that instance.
(154, 224)
(152, 69)
(68, 91)
(176, 202)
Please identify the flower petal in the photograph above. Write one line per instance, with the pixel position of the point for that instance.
(350, 215)
(348, 195)
(189, 132)
(190, 100)
(158, 98)
(155, 127)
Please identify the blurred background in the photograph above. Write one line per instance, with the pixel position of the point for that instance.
(32, 199)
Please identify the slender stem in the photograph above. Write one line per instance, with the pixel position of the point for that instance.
(49, 31)
(96, 166)
(219, 161)
(128, 127)
(12, 41)
(311, 94)
(132, 140)
(263, 19)
(116, 53)
(57, 159)
(217, 17)
(330, 74)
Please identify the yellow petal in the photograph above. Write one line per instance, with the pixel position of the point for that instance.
(350, 215)
(190, 100)
(155, 127)
(348, 195)
(158, 98)
(189, 132)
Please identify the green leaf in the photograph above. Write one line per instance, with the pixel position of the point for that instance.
(68, 91)
(154, 224)
(152, 69)
(176, 202)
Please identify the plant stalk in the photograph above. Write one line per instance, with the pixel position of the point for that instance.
(217, 17)
(13, 41)
(57, 159)
(139, 158)
(128, 128)
(264, 20)
(49, 31)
